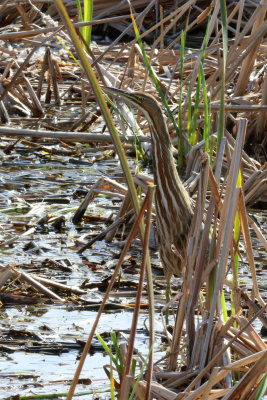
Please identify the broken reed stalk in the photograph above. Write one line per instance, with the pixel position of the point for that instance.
(71, 136)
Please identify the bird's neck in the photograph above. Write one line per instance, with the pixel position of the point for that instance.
(166, 176)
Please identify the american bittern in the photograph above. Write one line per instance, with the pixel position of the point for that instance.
(172, 202)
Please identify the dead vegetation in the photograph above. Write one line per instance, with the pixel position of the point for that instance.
(211, 354)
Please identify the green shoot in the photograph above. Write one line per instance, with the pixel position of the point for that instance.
(211, 150)
(192, 127)
(119, 366)
(70, 53)
(189, 114)
(224, 308)
(140, 376)
(195, 113)
(112, 381)
(206, 109)
(153, 75)
(117, 349)
(87, 15)
(80, 11)
(262, 388)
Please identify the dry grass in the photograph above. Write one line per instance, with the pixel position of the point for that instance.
(223, 358)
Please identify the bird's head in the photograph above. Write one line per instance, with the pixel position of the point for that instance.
(142, 101)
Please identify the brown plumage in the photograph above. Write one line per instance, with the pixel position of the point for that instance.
(172, 202)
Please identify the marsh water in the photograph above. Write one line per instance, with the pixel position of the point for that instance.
(34, 185)
(48, 336)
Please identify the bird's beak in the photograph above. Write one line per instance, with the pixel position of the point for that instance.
(119, 93)
(129, 97)
(113, 91)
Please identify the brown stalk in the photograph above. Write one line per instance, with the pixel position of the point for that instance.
(123, 209)
(232, 70)
(252, 334)
(102, 235)
(52, 70)
(17, 99)
(137, 20)
(246, 235)
(25, 63)
(72, 136)
(248, 63)
(5, 274)
(124, 390)
(253, 307)
(24, 15)
(101, 183)
(205, 370)
(225, 231)
(199, 261)
(187, 281)
(211, 382)
(222, 372)
(179, 323)
(58, 285)
(253, 164)
(250, 380)
(111, 283)
(262, 118)
(37, 285)
(258, 190)
(211, 27)
(36, 106)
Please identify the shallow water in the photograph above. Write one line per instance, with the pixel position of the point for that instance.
(65, 327)
(28, 182)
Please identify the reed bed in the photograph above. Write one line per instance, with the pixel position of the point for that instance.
(214, 351)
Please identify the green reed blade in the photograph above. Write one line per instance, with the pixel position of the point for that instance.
(80, 11)
(195, 113)
(88, 70)
(192, 134)
(262, 390)
(224, 308)
(206, 109)
(117, 349)
(68, 50)
(189, 114)
(140, 375)
(211, 150)
(112, 381)
(109, 353)
(153, 76)
(88, 16)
